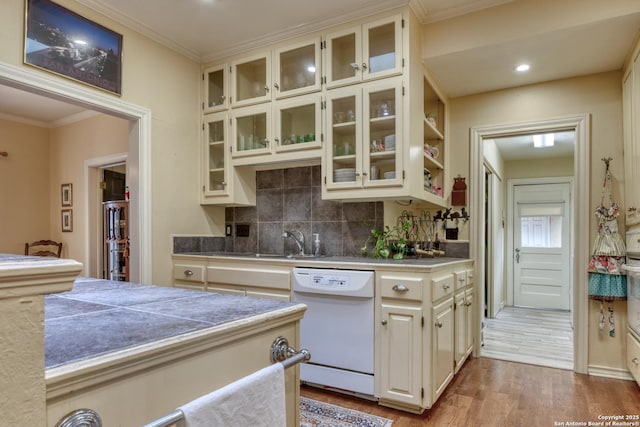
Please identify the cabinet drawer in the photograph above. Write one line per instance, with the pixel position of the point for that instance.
(460, 279)
(402, 287)
(633, 356)
(261, 277)
(469, 277)
(441, 287)
(190, 273)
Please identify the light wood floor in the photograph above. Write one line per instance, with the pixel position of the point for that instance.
(495, 393)
(539, 337)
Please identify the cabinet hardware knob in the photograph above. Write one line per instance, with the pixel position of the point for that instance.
(364, 66)
(468, 303)
(400, 288)
(188, 273)
(446, 286)
(460, 279)
(276, 86)
(355, 66)
(438, 325)
(635, 361)
(266, 89)
(384, 322)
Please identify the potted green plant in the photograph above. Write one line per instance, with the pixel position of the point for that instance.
(388, 241)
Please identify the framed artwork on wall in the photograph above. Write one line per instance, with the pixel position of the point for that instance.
(63, 42)
(66, 194)
(67, 220)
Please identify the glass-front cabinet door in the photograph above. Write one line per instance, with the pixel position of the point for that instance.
(343, 60)
(364, 142)
(297, 69)
(251, 80)
(216, 160)
(215, 88)
(298, 123)
(343, 165)
(382, 48)
(365, 52)
(251, 130)
(382, 136)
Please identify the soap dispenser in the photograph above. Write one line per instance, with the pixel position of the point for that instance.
(316, 244)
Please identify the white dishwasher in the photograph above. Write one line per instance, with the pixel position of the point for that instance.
(337, 328)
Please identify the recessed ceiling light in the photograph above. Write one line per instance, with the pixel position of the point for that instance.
(522, 68)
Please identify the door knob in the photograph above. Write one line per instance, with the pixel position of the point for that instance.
(517, 255)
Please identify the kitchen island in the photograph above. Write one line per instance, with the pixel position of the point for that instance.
(132, 352)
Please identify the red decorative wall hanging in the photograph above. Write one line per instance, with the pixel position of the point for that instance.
(459, 192)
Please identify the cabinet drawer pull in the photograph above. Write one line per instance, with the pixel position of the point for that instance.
(276, 86)
(400, 288)
(635, 361)
(446, 286)
(355, 66)
(438, 324)
(384, 322)
(188, 273)
(468, 303)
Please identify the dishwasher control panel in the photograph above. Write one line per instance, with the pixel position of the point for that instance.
(329, 280)
(333, 281)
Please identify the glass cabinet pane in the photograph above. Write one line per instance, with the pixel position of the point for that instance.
(251, 80)
(382, 48)
(297, 125)
(251, 132)
(344, 57)
(216, 155)
(215, 88)
(381, 134)
(344, 139)
(298, 68)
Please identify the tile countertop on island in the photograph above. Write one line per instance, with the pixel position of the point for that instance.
(100, 317)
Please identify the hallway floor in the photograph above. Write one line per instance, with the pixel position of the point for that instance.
(526, 335)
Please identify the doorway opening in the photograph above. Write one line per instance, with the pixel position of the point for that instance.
(494, 177)
(139, 156)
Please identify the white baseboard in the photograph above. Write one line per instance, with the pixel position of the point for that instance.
(607, 372)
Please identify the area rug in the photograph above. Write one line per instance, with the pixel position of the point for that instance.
(320, 414)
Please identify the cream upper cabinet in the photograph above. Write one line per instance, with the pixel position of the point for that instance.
(216, 91)
(285, 130)
(298, 123)
(216, 155)
(364, 138)
(221, 183)
(251, 80)
(297, 69)
(369, 51)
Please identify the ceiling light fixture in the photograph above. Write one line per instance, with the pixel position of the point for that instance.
(542, 141)
(522, 68)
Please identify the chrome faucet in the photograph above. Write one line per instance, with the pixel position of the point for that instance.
(299, 239)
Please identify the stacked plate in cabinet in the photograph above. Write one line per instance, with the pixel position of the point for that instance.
(344, 175)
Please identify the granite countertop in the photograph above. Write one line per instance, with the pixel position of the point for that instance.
(100, 316)
(409, 260)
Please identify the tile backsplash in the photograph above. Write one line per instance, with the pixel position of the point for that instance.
(291, 200)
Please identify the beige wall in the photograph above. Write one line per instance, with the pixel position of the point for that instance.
(600, 96)
(168, 84)
(71, 145)
(24, 186)
(535, 168)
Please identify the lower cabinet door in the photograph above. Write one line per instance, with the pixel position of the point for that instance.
(401, 350)
(442, 347)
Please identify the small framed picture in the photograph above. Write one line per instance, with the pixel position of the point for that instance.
(66, 192)
(67, 220)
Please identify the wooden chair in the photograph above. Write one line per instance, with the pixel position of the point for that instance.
(43, 248)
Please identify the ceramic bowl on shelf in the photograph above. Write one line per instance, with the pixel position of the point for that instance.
(390, 175)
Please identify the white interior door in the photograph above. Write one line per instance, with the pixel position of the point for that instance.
(542, 246)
